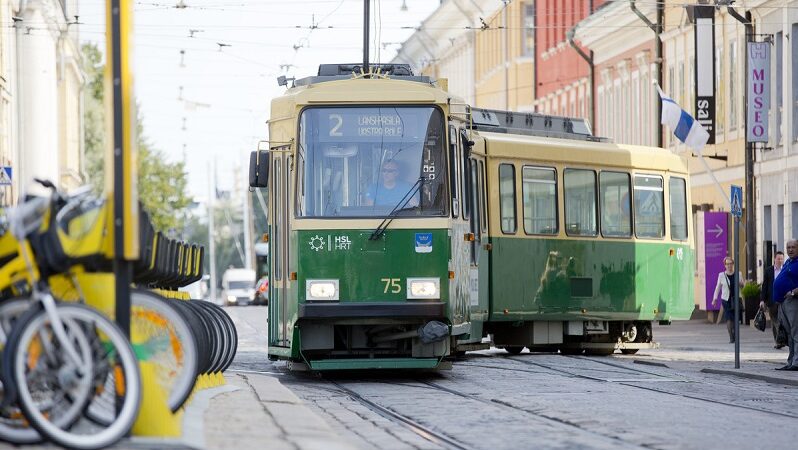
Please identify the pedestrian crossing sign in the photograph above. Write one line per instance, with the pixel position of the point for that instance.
(736, 201)
(5, 176)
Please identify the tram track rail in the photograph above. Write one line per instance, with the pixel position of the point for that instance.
(417, 428)
(507, 405)
(448, 442)
(630, 383)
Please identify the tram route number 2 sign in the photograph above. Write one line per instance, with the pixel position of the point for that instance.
(365, 125)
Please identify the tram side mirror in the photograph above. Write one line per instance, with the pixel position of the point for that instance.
(467, 143)
(259, 169)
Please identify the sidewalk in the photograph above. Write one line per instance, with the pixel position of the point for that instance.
(698, 345)
(257, 411)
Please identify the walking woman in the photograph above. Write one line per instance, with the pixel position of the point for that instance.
(729, 295)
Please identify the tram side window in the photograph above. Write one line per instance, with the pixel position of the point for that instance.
(453, 170)
(507, 198)
(580, 202)
(540, 200)
(616, 204)
(677, 194)
(649, 211)
(483, 203)
(278, 187)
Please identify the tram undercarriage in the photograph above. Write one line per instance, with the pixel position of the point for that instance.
(594, 337)
(346, 344)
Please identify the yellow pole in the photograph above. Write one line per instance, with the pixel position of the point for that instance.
(121, 161)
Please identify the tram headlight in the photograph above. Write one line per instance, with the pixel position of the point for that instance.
(423, 288)
(321, 289)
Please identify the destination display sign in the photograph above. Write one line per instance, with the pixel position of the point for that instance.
(368, 124)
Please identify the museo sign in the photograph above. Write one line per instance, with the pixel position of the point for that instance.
(758, 93)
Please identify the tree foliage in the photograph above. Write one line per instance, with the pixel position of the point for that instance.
(161, 184)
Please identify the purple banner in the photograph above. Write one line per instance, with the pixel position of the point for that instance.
(716, 238)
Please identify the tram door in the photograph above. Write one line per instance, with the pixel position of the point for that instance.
(278, 298)
(478, 273)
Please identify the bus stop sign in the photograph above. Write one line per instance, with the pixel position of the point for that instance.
(736, 201)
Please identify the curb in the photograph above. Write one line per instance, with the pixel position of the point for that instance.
(769, 379)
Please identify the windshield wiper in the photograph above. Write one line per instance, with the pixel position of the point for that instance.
(400, 206)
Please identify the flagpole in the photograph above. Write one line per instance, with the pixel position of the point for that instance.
(715, 180)
(698, 151)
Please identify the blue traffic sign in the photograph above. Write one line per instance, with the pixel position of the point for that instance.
(736, 201)
(5, 175)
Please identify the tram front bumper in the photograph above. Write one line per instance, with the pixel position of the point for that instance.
(371, 310)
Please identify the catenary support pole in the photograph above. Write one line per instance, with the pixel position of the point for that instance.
(750, 208)
(366, 15)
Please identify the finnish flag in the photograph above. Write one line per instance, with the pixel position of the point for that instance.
(683, 125)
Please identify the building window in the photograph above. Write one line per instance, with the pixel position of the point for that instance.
(780, 226)
(733, 85)
(627, 112)
(616, 206)
(779, 86)
(580, 202)
(720, 90)
(646, 105)
(540, 200)
(671, 90)
(507, 196)
(681, 87)
(767, 220)
(649, 211)
(528, 36)
(794, 43)
(794, 233)
(677, 195)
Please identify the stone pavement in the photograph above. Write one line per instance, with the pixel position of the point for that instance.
(254, 410)
(698, 345)
(257, 411)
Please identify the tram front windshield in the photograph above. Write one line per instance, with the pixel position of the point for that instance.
(370, 161)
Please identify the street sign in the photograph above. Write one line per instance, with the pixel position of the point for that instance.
(5, 176)
(736, 201)
(715, 248)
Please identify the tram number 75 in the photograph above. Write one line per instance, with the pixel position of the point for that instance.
(392, 285)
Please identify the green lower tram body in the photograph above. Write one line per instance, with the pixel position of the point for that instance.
(542, 293)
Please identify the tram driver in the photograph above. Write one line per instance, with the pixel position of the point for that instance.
(390, 187)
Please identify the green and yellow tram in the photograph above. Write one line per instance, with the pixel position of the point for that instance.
(405, 226)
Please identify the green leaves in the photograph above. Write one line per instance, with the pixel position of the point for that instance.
(750, 290)
(161, 184)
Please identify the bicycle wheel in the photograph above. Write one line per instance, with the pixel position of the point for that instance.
(230, 330)
(201, 333)
(161, 336)
(13, 426)
(110, 352)
(214, 333)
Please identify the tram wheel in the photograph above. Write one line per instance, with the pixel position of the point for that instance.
(629, 351)
(514, 349)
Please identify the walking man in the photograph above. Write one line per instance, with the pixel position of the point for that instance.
(785, 292)
(766, 297)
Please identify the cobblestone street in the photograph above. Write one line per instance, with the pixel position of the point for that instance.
(685, 394)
